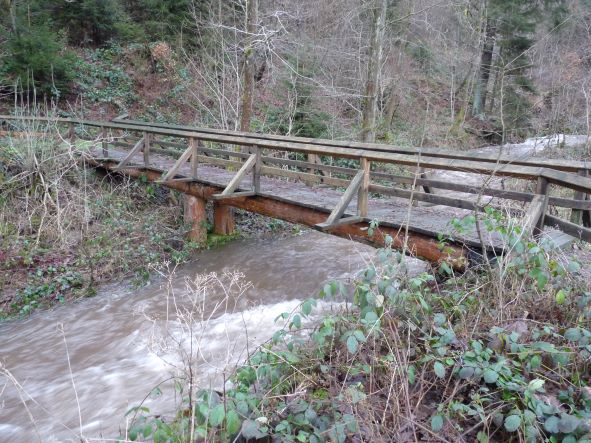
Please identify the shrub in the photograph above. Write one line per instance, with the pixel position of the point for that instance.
(37, 62)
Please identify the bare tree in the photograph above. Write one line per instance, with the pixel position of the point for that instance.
(248, 70)
(368, 125)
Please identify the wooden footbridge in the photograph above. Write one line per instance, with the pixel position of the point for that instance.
(336, 186)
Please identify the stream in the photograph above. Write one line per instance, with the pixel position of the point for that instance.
(76, 370)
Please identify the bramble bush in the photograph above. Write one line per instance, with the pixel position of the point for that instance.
(410, 357)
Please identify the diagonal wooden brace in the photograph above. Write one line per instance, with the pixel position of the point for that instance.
(534, 218)
(172, 172)
(237, 179)
(343, 203)
(137, 148)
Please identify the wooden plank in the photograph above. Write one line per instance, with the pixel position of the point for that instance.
(233, 195)
(572, 181)
(341, 222)
(137, 148)
(237, 179)
(569, 228)
(560, 239)
(346, 198)
(172, 172)
(534, 217)
(428, 198)
(304, 176)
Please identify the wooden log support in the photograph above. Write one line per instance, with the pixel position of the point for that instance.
(363, 193)
(104, 142)
(237, 179)
(223, 219)
(172, 172)
(343, 203)
(146, 149)
(137, 148)
(577, 216)
(195, 216)
(256, 172)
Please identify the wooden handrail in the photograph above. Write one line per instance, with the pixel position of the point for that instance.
(430, 157)
(562, 165)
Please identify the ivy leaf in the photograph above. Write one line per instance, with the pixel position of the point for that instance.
(439, 319)
(536, 384)
(439, 369)
(512, 423)
(216, 416)
(437, 423)
(572, 334)
(466, 372)
(352, 344)
(490, 376)
(307, 307)
(250, 430)
(535, 362)
(551, 425)
(560, 297)
(568, 423)
(232, 422)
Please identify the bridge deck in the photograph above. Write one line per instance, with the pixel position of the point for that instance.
(428, 220)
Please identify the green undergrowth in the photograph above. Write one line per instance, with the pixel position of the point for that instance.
(66, 228)
(498, 353)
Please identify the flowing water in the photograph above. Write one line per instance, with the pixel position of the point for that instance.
(78, 368)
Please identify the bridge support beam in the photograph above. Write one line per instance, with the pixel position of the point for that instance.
(195, 216)
(223, 219)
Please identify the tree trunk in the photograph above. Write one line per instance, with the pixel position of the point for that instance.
(248, 70)
(391, 105)
(368, 124)
(481, 87)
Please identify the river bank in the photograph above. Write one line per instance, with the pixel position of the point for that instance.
(113, 349)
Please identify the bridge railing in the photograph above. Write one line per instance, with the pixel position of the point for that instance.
(360, 168)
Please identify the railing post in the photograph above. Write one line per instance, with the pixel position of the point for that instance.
(104, 142)
(312, 158)
(363, 193)
(256, 170)
(541, 189)
(146, 149)
(579, 216)
(194, 145)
